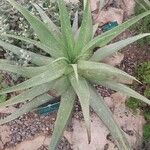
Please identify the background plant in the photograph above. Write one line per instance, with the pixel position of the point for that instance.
(3, 84)
(144, 25)
(143, 74)
(70, 68)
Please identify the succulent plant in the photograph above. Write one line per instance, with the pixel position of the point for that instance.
(69, 69)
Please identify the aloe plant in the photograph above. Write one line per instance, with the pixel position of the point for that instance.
(69, 69)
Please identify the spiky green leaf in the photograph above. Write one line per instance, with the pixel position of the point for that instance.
(38, 44)
(95, 27)
(26, 108)
(106, 37)
(20, 70)
(35, 58)
(75, 69)
(86, 31)
(102, 110)
(55, 71)
(124, 89)
(56, 88)
(39, 27)
(106, 51)
(51, 26)
(63, 116)
(66, 27)
(103, 72)
(82, 90)
(102, 4)
(75, 23)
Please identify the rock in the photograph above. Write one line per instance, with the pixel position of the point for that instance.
(1, 145)
(109, 102)
(98, 135)
(109, 15)
(68, 136)
(5, 134)
(94, 4)
(32, 144)
(115, 59)
(129, 7)
(131, 124)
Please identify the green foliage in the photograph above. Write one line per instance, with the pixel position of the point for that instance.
(69, 69)
(146, 132)
(3, 98)
(143, 72)
(3, 84)
(133, 103)
(144, 25)
(147, 92)
(147, 115)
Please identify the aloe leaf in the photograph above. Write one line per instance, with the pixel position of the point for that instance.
(56, 87)
(27, 95)
(39, 27)
(103, 72)
(23, 71)
(106, 51)
(125, 89)
(147, 2)
(51, 26)
(76, 35)
(104, 113)
(95, 27)
(75, 23)
(82, 90)
(86, 30)
(7, 61)
(54, 72)
(40, 45)
(35, 58)
(102, 4)
(108, 36)
(141, 4)
(63, 116)
(66, 27)
(85, 3)
(75, 68)
(27, 108)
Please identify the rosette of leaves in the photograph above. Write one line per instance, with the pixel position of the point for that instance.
(69, 69)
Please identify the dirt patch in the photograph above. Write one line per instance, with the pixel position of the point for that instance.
(31, 127)
(134, 54)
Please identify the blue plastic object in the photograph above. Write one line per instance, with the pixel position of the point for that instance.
(109, 26)
(50, 107)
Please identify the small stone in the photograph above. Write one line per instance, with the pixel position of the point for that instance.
(5, 134)
(115, 59)
(1, 145)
